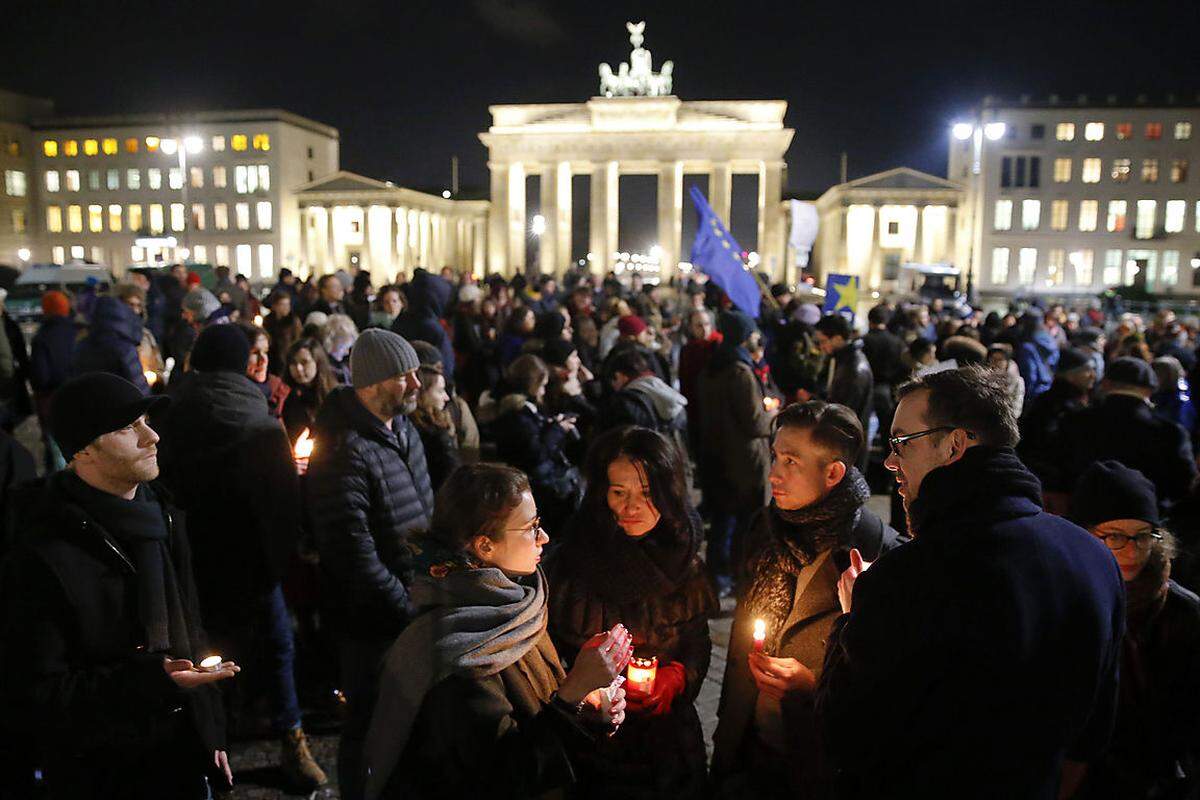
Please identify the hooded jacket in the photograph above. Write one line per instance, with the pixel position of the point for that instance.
(428, 296)
(647, 402)
(112, 343)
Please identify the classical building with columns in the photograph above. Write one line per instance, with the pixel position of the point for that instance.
(873, 226)
(637, 128)
(358, 222)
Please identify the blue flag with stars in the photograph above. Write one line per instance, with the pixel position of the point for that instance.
(841, 294)
(717, 255)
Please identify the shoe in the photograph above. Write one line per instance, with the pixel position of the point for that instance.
(298, 764)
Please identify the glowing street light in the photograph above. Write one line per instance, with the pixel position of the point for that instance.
(168, 146)
(962, 131)
(194, 144)
(24, 254)
(539, 225)
(446, 193)
(995, 130)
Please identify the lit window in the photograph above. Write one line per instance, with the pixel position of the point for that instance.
(263, 212)
(1091, 170)
(262, 142)
(54, 219)
(197, 177)
(1179, 170)
(175, 178)
(999, 266)
(75, 219)
(114, 218)
(91, 147)
(96, 219)
(1144, 226)
(133, 179)
(52, 184)
(1149, 170)
(1124, 130)
(14, 182)
(1117, 209)
(1196, 217)
(1027, 265)
(57, 254)
(1056, 273)
(136, 254)
(154, 178)
(1183, 130)
(1153, 130)
(198, 218)
(168, 146)
(156, 218)
(241, 184)
(1003, 219)
(1062, 170)
(218, 144)
(266, 260)
(94, 180)
(1170, 268)
(109, 146)
(1059, 210)
(1093, 131)
(151, 144)
(1088, 211)
(1121, 167)
(220, 216)
(77, 252)
(1084, 263)
(135, 218)
(50, 148)
(244, 254)
(238, 142)
(72, 176)
(18, 220)
(178, 222)
(1174, 214)
(264, 177)
(1112, 267)
(113, 180)
(242, 212)
(1031, 214)
(131, 145)
(200, 254)
(70, 148)
(222, 256)
(1065, 132)
(218, 177)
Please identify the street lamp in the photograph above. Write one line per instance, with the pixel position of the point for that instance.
(538, 227)
(995, 131)
(184, 145)
(24, 254)
(963, 131)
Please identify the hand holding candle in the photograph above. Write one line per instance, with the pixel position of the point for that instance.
(641, 674)
(760, 635)
(771, 404)
(187, 675)
(302, 451)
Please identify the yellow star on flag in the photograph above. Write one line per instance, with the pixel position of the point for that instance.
(847, 295)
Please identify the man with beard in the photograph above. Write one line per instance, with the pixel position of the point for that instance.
(982, 656)
(767, 741)
(368, 488)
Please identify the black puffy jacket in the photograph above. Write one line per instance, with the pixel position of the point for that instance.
(367, 489)
(112, 343)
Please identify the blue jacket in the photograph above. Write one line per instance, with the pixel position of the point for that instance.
(53, 352)
(1036, 359)
(111, 345)
(421, 320)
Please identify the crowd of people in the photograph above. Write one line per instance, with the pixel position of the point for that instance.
(473, 510)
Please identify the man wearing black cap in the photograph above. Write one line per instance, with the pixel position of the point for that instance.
(1123, 427)
(1070, 391)
(101, 628)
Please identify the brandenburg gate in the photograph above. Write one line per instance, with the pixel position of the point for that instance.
(635, 127)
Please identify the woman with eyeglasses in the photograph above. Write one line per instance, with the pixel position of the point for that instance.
(473, 700)
(1155, 747)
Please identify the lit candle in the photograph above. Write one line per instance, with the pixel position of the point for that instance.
(304, 445)
(641, 674)
(770, 403)
(258, 320)
(760, 635)
(151, 377)
(210, 664)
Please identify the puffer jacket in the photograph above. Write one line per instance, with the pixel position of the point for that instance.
(367, 488)
(112, 343)
(1037, 359)
(428, 296)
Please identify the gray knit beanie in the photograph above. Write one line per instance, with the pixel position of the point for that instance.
(201, 302)
(379, 354)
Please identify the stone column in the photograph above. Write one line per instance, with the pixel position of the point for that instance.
(720, 190)
(554, 250)
(479, 248)
(330, 244)
(950, 253)
(497, 219)
(364, 259)
(843, 245)
(874, 267)
(516, 218)
(770, 217)
(919, 237)
(605, 209)
(399, 241)
(670, 216)
(424, 241)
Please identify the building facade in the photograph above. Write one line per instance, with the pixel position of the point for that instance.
(1075, 197)
(18, 192)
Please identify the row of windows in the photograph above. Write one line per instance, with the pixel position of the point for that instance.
(116, 218)
(1077, 268)
(242, 252)
(1025, 171)
(1175, 212)
(1095, 131)
(69, 148)
(247, 178)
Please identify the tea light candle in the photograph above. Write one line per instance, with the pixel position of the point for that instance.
(151, 376)
(760, 635)
(210, 664)
(641, 674)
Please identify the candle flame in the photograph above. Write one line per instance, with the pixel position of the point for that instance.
(210, 662)
(151, 376)
(760, 630)
(304, 445)
(258, 320)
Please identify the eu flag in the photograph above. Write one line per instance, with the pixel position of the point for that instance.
(717, 255)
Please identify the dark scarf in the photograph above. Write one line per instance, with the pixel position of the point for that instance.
(139, 526)
(986, 484)
(796, 539)
(617, 568)
(1146, 594)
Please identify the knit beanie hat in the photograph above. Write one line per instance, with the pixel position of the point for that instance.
(557, 351)
(56, 304)
(379, 355)
(201, 302)
(85, 408)
(631, 325)
(1109, 490)
(427, 354)
(735, 326)
(550, 326)
(221, 348)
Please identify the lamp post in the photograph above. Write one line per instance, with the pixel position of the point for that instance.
(976, 130)
(182, 146)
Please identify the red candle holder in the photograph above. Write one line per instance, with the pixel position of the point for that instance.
(641, 673)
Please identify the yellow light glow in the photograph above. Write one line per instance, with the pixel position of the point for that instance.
(238, 142)
(50, 148)
(91, 147)
(304, 445)
(70, 148)
(151, 379)
(131, 145)
(641, 673)
(152, 144)
(210, 663)
(109, 146)
(262, 142)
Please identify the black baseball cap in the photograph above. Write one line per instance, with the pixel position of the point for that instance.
(89, 406)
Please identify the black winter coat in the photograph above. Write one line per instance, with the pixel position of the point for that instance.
(112, 342)
(848, 381)
(1040, 441)
(428, 296)
(533, 443)
(76, 678)
(367, 488)
(229, 463)
(884, 351)
(53, 354)
(592, 589)
(981, 654)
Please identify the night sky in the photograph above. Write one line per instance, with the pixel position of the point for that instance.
(408, 83)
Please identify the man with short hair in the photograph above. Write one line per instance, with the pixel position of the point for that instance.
(847, 376)
(885, 353)
(998, 623)
(368, 487)
(331, 295)
(101, 629)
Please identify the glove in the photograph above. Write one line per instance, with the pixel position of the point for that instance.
(669, 683)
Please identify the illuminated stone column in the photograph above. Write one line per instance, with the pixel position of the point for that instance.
(516, 218)
(918, 251)
(670, 216)
(554, 251)
(330, 243)
(770, 217)
(364, 258)
(720, 190)
(479, 248)
(605, 214)
(400, 242)
(497, 219)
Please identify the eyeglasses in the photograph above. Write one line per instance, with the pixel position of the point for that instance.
(533, 529)
(894, 442)
(1117, 541)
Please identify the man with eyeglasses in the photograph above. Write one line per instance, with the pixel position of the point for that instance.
(982, 656)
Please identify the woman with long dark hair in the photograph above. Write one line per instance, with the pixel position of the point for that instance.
(633, 556)
(311, 379)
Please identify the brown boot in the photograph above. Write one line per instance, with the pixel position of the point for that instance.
(298, 764)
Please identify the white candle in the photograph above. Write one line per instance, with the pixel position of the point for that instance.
(210, 664)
